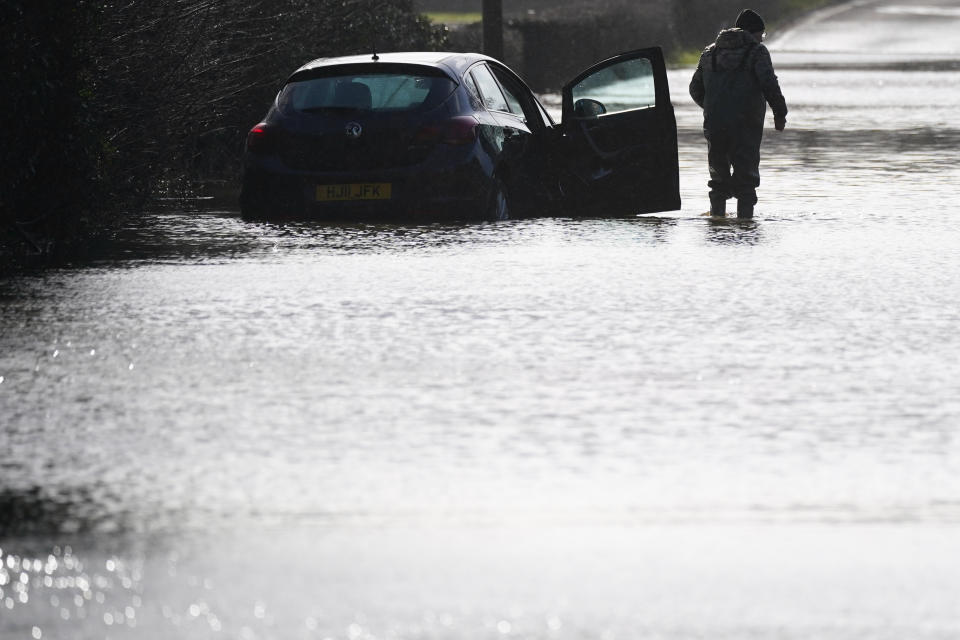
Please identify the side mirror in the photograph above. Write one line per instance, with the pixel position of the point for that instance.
(588, 108)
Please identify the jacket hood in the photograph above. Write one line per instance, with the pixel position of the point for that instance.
(734, 39)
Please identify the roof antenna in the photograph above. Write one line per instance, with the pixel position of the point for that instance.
(375, 56)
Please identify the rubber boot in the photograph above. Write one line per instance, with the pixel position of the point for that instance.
(718, 206)
(744, 209)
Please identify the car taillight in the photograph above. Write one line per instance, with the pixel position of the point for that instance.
(261, 139)
(456, 131)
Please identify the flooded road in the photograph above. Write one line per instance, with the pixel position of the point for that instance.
(653, 427)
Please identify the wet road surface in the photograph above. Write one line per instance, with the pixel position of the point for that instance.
(874, 33)
(666, 426)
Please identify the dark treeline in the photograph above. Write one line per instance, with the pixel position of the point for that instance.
(110, 102)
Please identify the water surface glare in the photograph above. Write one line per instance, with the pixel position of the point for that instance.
(657, 426)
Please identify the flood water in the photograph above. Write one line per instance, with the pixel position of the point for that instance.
(647, 427)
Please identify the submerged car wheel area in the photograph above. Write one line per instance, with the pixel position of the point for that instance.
(452, 136)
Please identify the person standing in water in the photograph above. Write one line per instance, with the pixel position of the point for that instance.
(733, 83)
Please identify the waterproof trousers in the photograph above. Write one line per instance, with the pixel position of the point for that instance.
(734, 159)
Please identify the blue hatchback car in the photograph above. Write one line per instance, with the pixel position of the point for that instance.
(459, 136)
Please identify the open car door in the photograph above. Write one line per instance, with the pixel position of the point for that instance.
(619, 142)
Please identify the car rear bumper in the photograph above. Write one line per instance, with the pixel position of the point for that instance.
(436, 192)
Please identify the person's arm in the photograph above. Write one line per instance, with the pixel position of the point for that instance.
(763, 68)
(697, 91)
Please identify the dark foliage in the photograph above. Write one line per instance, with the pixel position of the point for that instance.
(47, 151)
(109, 101)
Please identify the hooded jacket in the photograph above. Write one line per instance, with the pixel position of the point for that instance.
(734, 81)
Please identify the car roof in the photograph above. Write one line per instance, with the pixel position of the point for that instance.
(451, 62)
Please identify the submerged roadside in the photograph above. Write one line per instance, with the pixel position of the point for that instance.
(116, 124)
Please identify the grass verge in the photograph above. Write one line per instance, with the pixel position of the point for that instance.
(468, 17)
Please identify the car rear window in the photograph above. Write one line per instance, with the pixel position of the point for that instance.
(366, 91)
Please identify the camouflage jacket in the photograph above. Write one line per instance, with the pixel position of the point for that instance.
(734, 80)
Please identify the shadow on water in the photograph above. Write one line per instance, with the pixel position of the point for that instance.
(188, 237)
(179, 237)
(387, 238)
(43, 511)
(646, 228)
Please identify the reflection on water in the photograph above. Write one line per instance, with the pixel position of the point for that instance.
(577, 582)
(667, 425)
(882, 151)
(60, 594)
(733, 231)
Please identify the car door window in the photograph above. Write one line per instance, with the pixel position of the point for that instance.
(475, 100)
(620, 87)
(544, 115)
(512, 100)
(489, 89)
(521, 100)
